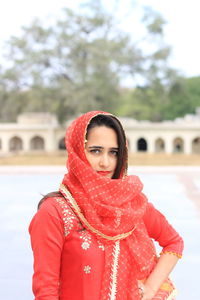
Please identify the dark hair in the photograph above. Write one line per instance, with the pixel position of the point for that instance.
(112, 122)
(52, 194)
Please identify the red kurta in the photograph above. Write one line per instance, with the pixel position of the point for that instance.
(69, 260)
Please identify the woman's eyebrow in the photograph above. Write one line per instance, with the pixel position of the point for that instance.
(96, 147)
(100, 147)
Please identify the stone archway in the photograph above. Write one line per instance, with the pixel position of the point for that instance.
(15, 144)
(159, 145)
(196, 145)
(37, 143)
(142, 145)
(61, 144)
(178, 145)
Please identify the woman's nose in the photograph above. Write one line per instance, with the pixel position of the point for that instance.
(104, 161)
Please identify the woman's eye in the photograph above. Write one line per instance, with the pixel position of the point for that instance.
(114, 152)
(95, 151)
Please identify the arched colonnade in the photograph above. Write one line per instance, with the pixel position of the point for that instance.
(140, 144)
(17, 143)
(31, 134)
(175, 144)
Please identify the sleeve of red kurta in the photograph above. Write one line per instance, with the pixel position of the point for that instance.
(161, 231)
(47, 238)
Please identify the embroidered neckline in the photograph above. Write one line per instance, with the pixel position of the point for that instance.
(76, 208)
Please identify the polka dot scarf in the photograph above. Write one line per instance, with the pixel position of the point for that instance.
(112, 210)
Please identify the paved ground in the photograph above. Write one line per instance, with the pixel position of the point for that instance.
(173, 190)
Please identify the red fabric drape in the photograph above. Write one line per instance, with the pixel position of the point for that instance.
(112, 208)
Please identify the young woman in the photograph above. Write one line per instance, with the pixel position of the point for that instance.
(92, 240)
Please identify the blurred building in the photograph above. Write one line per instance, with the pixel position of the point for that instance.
(42, 132)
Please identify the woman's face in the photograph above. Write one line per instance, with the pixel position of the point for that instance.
(101, 150)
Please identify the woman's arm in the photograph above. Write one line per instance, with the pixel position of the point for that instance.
(161, 231)
(161, 271)
(47, 238)
(172, 246)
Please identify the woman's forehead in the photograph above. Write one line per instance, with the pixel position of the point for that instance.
(102, 135)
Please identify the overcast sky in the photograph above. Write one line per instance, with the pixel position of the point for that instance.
(181, 32)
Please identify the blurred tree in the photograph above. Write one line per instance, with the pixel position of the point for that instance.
(149, 99)
(77, 63)
(71, 66)
(184, 97)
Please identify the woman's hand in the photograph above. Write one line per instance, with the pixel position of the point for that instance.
(146, 292)
(159, 274)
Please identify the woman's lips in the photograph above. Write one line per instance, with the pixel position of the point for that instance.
(104, 173)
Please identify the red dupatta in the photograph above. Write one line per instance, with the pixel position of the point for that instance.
(112, 209)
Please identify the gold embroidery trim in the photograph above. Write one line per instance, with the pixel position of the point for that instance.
(167, 287)
(171, 252)
(68, 216)
(75, 206)
(172, 295)
(113, 289)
